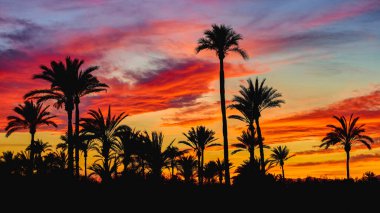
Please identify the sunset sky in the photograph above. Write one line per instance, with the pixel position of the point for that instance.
(323, 56)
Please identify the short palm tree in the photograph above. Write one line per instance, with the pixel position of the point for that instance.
(186, 167)
(198, 139)
(222, 40)
(156, 157)
(85, 145)
(279, 155)
(247, 142)
(210, 172)
(30, 117)
(103, 131)
(127, 145)
(173, 153)
(345, 134)
(263, 97)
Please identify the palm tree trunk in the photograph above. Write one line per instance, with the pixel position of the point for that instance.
(261, 145)
(348, 165)
(70, 149)
(252, 150)
(76, 138)
(202, 163)
(283, 173)
(199, 170)
(224, 117)
(85, 165)
(31, 154)
(172, 164)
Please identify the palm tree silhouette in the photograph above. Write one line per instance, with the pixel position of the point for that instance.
(38, 148)
(30, 116)
(104, 132)
(244, 104)
(85, 84)
(62, 78)
(279, 155)
(222, 40)
(85, 145)
(187, 166)
(198, 139)
(156, 158)
(105, 170)
(247, 142)
(263, 97)
(173, 153)
(8, 163)
(346, 134)
(127, 145)
(220, 167)
(210, 172)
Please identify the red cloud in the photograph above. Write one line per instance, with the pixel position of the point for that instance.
(313, 124)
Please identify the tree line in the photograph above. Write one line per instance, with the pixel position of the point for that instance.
(140, 152)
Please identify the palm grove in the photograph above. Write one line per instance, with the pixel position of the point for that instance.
(140, 153)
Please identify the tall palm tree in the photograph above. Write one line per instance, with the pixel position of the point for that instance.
(222, 40)
(346, 134)
(30, 116)
(103, 131)
(61, 77)
(187, 166)
(279, 155)
(263, 97)
(127, 145)
(198, 139)
(85, 83)
(247, 142)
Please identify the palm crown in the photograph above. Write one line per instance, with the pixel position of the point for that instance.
(346, 134)
(222, 39)
(31, 116)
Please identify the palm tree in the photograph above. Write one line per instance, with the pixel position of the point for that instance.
(156, 158)
(104, 170)
(127, 145)
(346, 134)
(173, 153)
(210, 171)
(244, 104)
(62, 78)
(103, 131)
(220, 168)
(39, 148)
(279, 155)
(187, 166)
(8, 162)
(30, 116)
(263, 97)
(247, 142)
(198, 139)
(85, 84)
(222, 40)
(85, 145)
